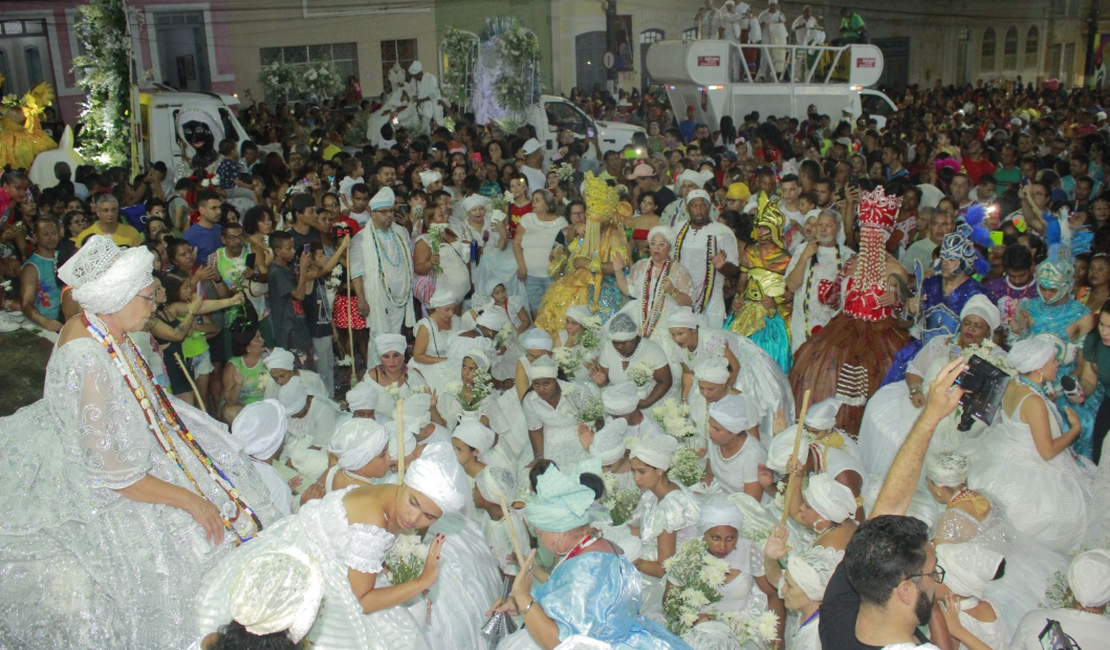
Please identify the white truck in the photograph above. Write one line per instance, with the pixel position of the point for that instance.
(552, 113)
(162, 114)
(721, 78)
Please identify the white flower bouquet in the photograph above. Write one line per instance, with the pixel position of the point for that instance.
(569, 360)
(698, 575)
(674, 418)
(620, 503)
(565, 172)
(504, 336)
(591, 410)
(333, 280)
(590, 337)
(686, 467)
(639, 373)
(751, 625)
(479, 390)
(405, 561)
(435, 240)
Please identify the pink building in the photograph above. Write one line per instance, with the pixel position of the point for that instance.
(180, 44)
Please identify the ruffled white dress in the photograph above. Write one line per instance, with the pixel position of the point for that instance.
(677, 512)
(83, 566)
(387, 397)
(647, 353)
(561, 443)
(437, 375)
(468, 584)
(321, 530)
(498, 265)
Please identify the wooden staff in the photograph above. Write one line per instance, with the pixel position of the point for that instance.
(512, 533)
(794, 456)
(400, 419)
(350, 322)
(188, 376)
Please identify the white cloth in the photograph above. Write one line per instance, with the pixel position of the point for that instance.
(647, 353)
(1089, 578)
(693, 255)
(559, 423)
(280, 493)
(454, 259)
(809, 311)
(391, 303)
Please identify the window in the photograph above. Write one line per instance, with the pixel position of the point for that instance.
(1065, 7)
(343, 55)
(987, 51)
(1032, 47)
(1010, 49)
(32, 59)
(402, 53)
(649, 36)
(690, 34)
(564, 115)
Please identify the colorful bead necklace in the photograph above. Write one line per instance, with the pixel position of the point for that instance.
(651, 304)
(809, 283)
(702, 301)
(381, 254)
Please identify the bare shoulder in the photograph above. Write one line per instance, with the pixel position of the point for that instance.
(366, 505)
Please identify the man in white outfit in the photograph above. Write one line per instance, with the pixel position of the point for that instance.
(819, 263)
(381, 269)
(707, 250)
(425, 93)
(805, 31)
(773, 25)
(708, 20)
(532, 169)
(734, 20)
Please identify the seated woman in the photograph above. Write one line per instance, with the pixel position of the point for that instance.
(260, 431)
(551, 411)
(458, 403)
(471, 441)
(630, 357)
(582, 335)
(280, 364)
(804, 581)
(734, 454)
(493, 295)
(608, 447)
(245, 375)
(392, 378)
(556, 610)
(720, 524)
(973, 621)
(536, 343)
(433, 337)
(349, 533)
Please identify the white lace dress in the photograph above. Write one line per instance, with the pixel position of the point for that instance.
(84, 566)
(993, 633)
(561, 443)
(321, 530)
(469, 582)
(678, 513)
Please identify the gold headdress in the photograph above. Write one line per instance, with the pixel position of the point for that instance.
(769, 216)
(603, 206)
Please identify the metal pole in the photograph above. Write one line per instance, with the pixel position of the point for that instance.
(611, 41)
(1092, 29)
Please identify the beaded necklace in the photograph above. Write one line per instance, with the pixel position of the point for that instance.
(651, 304)
(164, 422)
(809, 283)
(1037, 390)
(382, 253)
(710, 272)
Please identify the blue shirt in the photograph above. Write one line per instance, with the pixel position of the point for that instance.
(206, 240)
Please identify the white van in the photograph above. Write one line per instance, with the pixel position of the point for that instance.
(553, 113)
(162, 112)
(712, 76)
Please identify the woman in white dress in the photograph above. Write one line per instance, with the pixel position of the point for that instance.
(535, 235)
(581, 328)
(973, 621)
(493, 487)
(608, 446)
(492, 293)
(106, 535)
(826, 508)
(666, 516)
(656, 286)
(453, 258)
(349, 533)
(804, 581)
(630, 357)
(392, 379)
(734, 454)
(720, 524)
(433, 338)
(551, 411)
(497, 262)
(360, 448)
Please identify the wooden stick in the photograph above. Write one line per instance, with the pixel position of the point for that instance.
(512, 535)
(188, 376)
(400, 419)
(801, 430)
(350, 322)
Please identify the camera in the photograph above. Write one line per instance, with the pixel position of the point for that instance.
(984, 384)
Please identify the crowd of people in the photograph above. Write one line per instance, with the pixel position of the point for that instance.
(708, 391)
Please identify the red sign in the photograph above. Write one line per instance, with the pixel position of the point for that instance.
(868, 62)
(709, 61)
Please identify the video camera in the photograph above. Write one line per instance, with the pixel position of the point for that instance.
(984, 384)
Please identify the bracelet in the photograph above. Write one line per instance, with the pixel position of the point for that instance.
(915, 389)
(525, 610)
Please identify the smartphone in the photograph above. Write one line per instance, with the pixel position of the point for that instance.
(250, 260)
(476, 157)
(306, 249)
(590, 132)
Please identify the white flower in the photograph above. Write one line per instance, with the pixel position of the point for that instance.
(767, 626)
(394, 390)
(689, 618)
(694, 598)
(453, 387)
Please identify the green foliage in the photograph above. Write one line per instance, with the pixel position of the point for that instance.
(104, 75)
(460, 53)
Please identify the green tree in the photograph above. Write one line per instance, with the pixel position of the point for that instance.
(104, 73)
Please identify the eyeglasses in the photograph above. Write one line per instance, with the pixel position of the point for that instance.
(152, 299)
(937, 574)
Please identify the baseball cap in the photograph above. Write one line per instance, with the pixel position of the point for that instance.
(530, 146)
(641, 171)
(739, 191)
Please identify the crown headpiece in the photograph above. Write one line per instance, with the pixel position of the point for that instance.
(771, 217)
(877, 210)
(601, 199)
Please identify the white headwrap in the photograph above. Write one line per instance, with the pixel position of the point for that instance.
(968, 567)
(362, 397)
(581, 315)
(494, 483)
(476, 435)
(390, 343)
(478, 356)
(429, 178)
(438, 475)
(385, 198)
(833, 501)
(293, 395)
(543, 368)
(279, 359)
(106, 277)
(654, 450)
(260, 428)
(822, 415)
(981, 306)
(732, 413)
(418, 407)
(782, 448)
(622, 328)
(608, 444)
(719, 511)
(473, 201)
(682, 317)
(713, 370)
(536, 339)
(698, 194)
(411, 429)
(1089, 578)
(620, 399)
(357, 442)
(697, 178)
(947, 468)
(442, 297)
(1030, 354)
(493, 318)
(812, 569)
(277, 590)
(663, 231)
(416, 68)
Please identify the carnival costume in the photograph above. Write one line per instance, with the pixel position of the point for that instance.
(84, 565)
(21, 134)
(848, 358)
(606, 218)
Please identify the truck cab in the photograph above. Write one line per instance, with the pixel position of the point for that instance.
(160, 118)
(553, 113)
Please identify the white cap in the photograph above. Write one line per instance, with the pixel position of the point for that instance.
(416, 68)
(530, 146)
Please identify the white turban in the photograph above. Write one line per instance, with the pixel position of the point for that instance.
(543, 368)
(620, 399)
(293, 395)
(411, 429)
(947, 468)
(478, 356)
(719, 511)
(782, 448)
(812, 569)
(968, 567)
(663, 231)
(1030, 354)
(697, 178)
(430, 178)
(418, 407)
(682, 317)
(536, 339)
(416, 68)
(442, 298)
(473, 201)
(277, 590)
(390, 343)
(822, 415)
(383, 200)
(622, 328)
(494, 483)
(438, 475)
(713, 370)
(260, 428)
(1089, 578)
(732, 413)
(608, 444)
(475, 435)
(106, 277)
(654, 450)
(833, 501)
(981, 306)
(357, 442)
(279, 359)
(697, 194)
(581, 315)
(493, 318)
(362, 397)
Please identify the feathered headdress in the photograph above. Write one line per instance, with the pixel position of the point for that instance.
(769, 216)
(960, 245)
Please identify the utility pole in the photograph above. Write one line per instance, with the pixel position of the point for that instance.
(1092, 31)
(611, 40)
